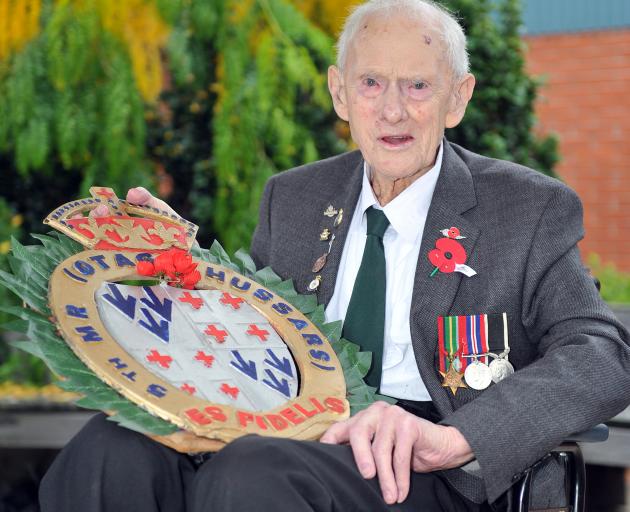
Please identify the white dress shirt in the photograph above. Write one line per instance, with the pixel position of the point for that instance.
(407, 214)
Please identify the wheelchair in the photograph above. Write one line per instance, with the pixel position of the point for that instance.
(569, 455)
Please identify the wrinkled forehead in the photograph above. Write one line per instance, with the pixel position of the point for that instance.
(397, 42)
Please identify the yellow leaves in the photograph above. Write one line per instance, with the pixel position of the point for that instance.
(5, 247)
(239, 9)
(139, 25)
(329, 15)
(19, 23)
(16, 220)
(14, 392)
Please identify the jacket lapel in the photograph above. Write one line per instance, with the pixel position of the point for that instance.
(433, 296)
(344, 195)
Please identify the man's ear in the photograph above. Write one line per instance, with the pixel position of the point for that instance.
(337, 92)
(460, 96)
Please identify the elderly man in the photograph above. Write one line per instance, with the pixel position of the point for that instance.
(369, 232)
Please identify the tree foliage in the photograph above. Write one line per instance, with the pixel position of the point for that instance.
(500, 119)
(203, 100)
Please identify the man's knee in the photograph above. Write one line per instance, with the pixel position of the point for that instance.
(248, 456)
(104, 458)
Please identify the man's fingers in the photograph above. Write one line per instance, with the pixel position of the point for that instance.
(100, 211)
(361, 434)
(382, 449)
(143, 197)
(336, 434)
(403, 450)
(139, 195)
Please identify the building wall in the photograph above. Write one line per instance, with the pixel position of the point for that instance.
(586, 102)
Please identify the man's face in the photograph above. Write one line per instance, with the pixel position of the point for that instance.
(397, 93)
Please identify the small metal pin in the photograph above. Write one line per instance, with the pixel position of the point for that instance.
(324, 235)
(314, 284)
(331, 211)
(339, 218)
(321, 261)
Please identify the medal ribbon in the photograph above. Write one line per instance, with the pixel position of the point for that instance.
(448, 341)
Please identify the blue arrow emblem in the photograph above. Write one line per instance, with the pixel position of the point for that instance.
(159, 329)
(281, 385)
(283, 365)
(161, 308)
(126, 305)
(246, 367)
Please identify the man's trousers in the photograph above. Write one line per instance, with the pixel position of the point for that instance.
(108, 468)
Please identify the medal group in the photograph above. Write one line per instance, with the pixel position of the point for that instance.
(473, 351)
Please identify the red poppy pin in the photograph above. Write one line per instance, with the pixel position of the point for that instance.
(449, 255)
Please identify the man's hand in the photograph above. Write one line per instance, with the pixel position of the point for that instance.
(138, 195)
(143, 197)
(390, 442)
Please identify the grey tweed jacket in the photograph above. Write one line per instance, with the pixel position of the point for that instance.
(571, 355)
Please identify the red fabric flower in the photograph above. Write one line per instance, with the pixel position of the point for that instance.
(191, 279)
(164, 264)
(447, 254)
(175, 266)
(453, 232)
(145, 268)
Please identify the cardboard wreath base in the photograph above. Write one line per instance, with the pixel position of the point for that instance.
(225, 359)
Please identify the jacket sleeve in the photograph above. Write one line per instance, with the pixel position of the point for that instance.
(582, 374)
(261, 241)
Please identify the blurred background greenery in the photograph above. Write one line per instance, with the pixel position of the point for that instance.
(201, 101)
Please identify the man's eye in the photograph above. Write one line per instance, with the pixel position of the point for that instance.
(418, 85)
(370, 82)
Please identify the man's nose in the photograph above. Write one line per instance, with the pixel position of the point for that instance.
(393, 108)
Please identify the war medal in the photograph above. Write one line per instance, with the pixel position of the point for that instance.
(500, 367)
(475, 334)
(448, 346)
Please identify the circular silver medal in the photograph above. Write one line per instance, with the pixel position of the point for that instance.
(478, 375)
(500, 369)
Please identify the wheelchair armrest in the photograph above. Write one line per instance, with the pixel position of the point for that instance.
(597, 434)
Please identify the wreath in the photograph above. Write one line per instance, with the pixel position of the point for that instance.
(31, 268)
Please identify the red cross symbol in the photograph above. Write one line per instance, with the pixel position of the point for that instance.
(255, 331)
(228, 300)
(206, 359)
(105, 193)
(229, 390)
(191, 390)
(218, 334)
(155, 357)
(195, 302)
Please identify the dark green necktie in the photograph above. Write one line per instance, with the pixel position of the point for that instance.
(365, 319)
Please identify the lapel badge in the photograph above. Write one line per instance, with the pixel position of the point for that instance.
(319, 263)
(331, 211)
(314, 284)
(324, 235)
(449, 255)
(339, 218)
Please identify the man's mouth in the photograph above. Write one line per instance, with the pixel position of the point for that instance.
(396, 140)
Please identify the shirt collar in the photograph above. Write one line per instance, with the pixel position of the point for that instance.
(408, 209)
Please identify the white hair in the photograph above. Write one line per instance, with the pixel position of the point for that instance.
(450, 30)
